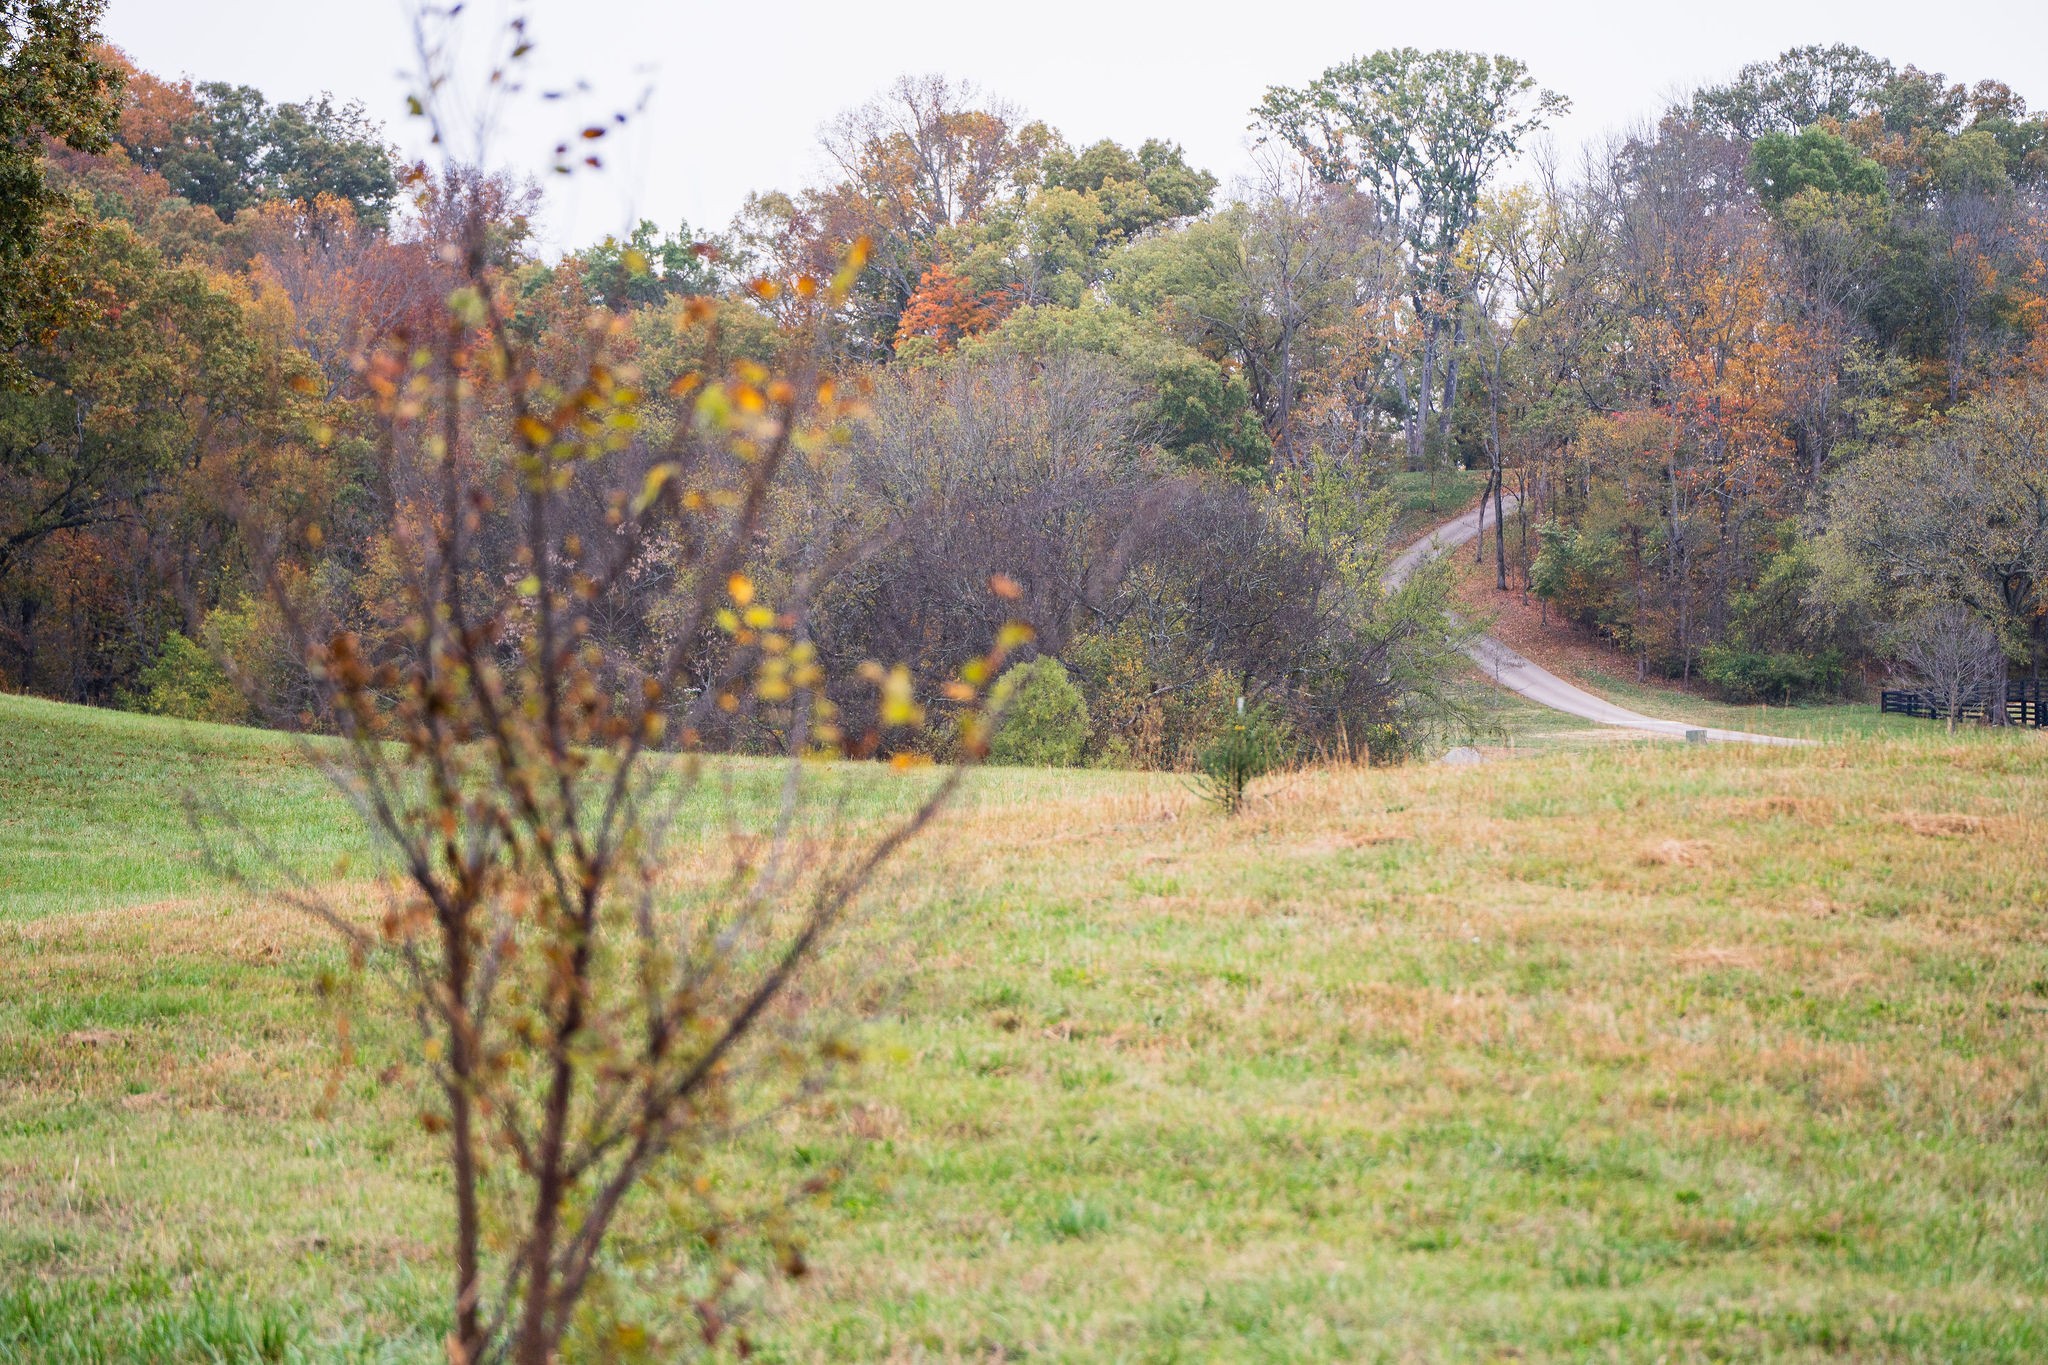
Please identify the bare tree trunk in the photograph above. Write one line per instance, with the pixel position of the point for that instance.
(1498, 458)
(1411, 420)
(1479, 541)
(1500, 533)
(1443, 420)
(1522, 524)
(1420, 440)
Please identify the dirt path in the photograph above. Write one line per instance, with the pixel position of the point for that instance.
(1518, 674)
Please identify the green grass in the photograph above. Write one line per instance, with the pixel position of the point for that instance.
(107, 808)
(1425, 500)
(1821, 720)
(96, 806)
(1627, 1051)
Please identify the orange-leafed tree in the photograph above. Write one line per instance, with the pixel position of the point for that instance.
(945, 308)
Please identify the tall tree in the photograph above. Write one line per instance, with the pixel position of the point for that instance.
(1421, 133)
(53, 84)
(1794, 92)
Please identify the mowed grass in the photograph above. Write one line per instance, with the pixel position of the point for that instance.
(1620, 1051)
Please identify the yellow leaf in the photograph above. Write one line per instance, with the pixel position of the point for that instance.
(850, 266)
(899, 700)
(650, 490)
(468, 307)
(534, 432)
(741, 587)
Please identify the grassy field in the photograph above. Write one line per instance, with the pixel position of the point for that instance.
(1618, 1050)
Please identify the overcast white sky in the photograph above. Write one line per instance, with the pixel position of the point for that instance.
(740, 90)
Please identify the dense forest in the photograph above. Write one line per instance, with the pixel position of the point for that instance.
(1759, 389)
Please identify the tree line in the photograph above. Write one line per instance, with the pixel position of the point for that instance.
(1754, 389)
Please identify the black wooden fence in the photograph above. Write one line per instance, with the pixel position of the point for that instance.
(2023, 704)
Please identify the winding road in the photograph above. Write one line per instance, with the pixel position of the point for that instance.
(1532, 680)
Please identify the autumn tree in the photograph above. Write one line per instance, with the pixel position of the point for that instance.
(227, 147)
(1959, 515)
(1420, 133)
(927, 156)
(945, 308)
(53, 84)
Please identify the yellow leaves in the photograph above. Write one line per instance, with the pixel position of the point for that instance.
(1013, 634)
(850, 265)
(741, 588)
(657, 478)
(714, 407)
(899, 697)
(535, 433)
(759, 617)
(467, 306)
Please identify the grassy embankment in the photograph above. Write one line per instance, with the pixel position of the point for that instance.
(1630, 1050)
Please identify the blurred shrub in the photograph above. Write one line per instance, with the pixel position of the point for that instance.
(1044, 717)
